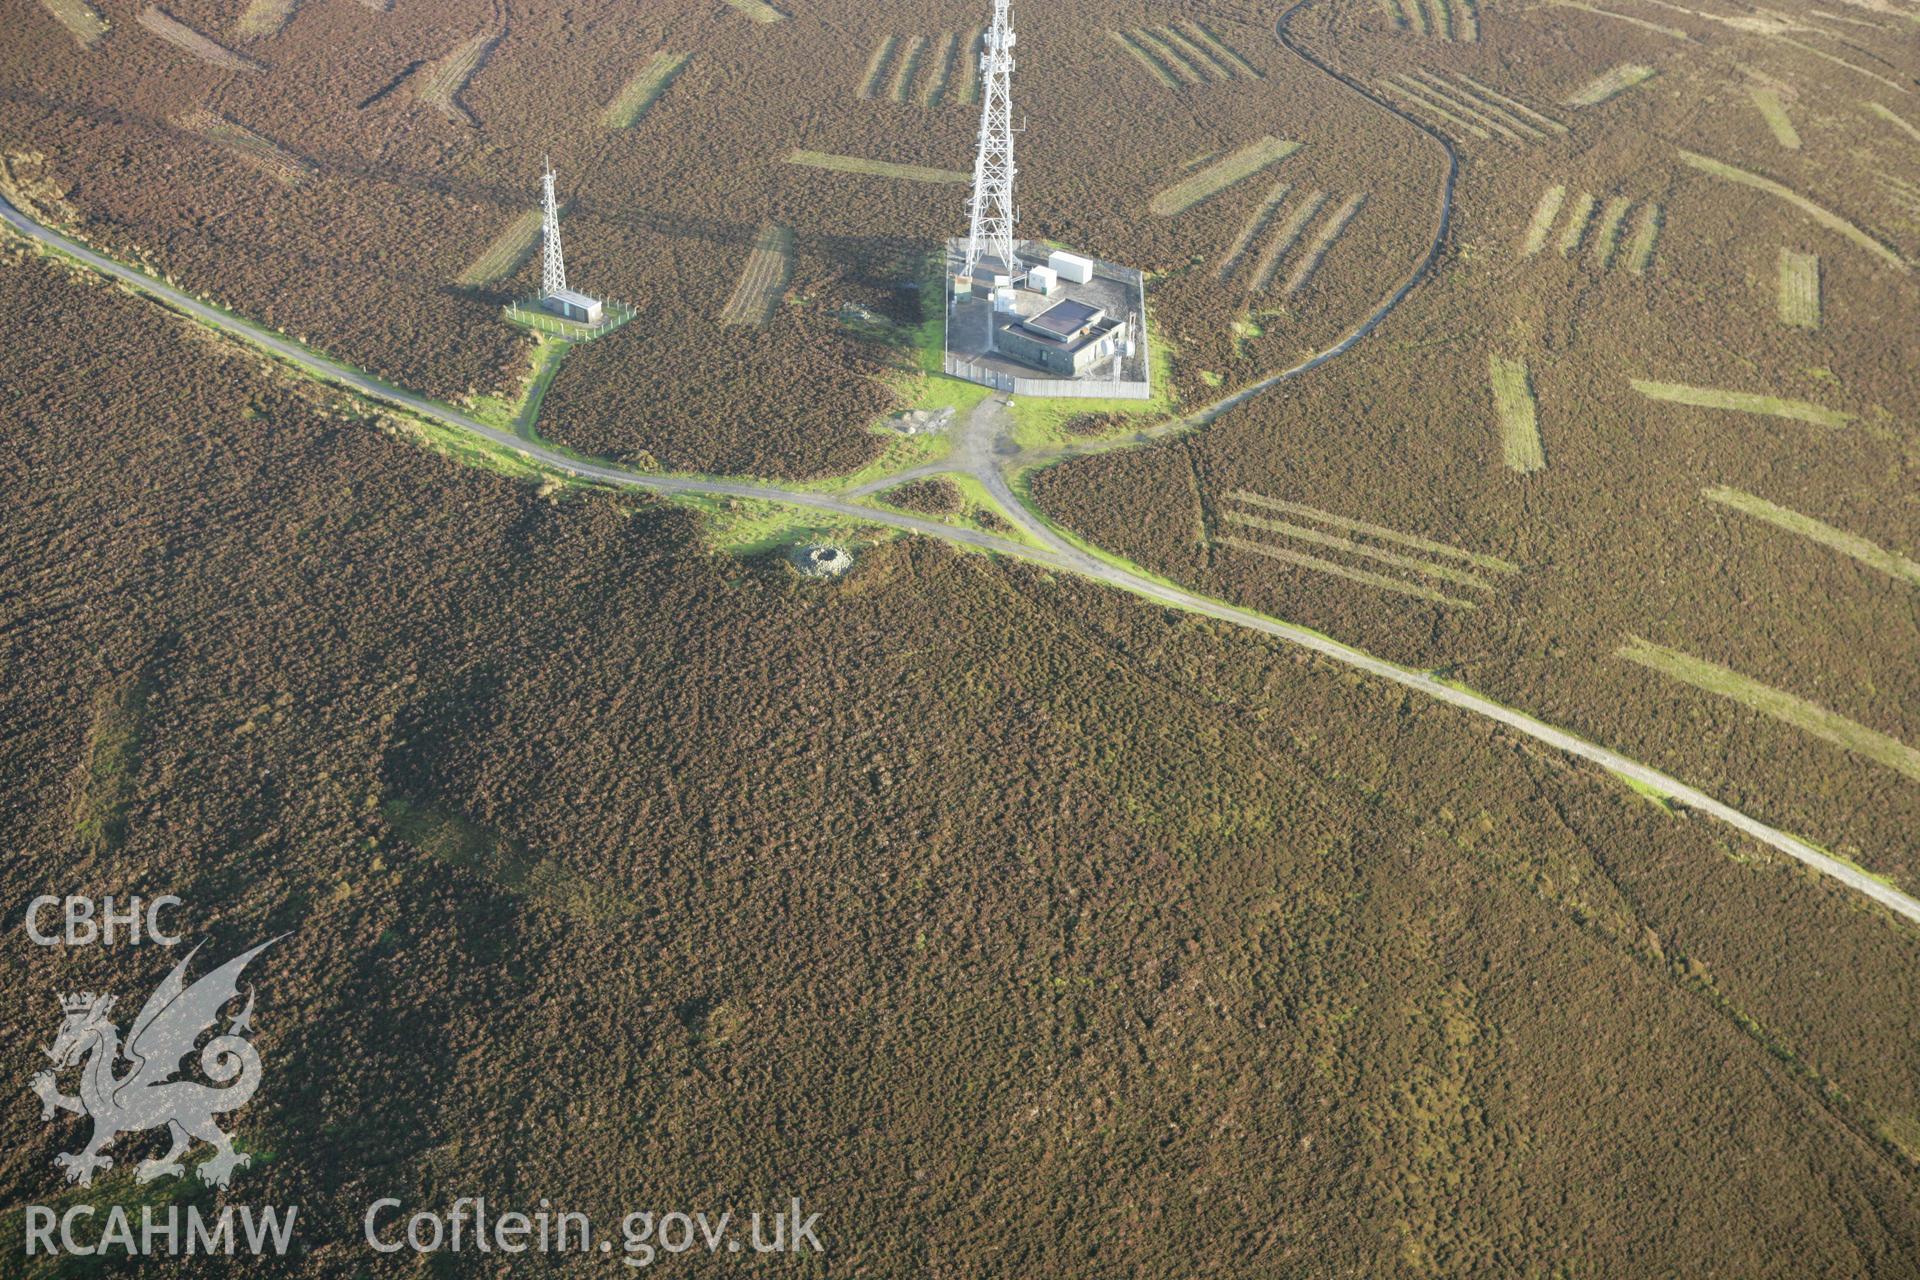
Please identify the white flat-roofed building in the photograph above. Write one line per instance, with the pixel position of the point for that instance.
(569, 305)
(1059, 337)
(1067, 339)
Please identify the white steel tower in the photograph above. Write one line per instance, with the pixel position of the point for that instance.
(991, 235)
(553, 268)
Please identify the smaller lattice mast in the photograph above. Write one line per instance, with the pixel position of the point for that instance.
(553, 267)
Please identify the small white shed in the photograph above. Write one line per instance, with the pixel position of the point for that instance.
(1071, 266)
(569, 305)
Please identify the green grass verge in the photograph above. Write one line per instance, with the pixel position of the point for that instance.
(751, 526)
(470, 450)
(1808, 717)
(1825, 217)
(1520, 445)
(452, 442)
(1022, 485)
(643, 90)
(978, 512)
(461, 446)
(901, 453)
(504, 254)
(1611, 83)
(1742, 402)
(1040, 422)
(877, 168)
(1874, 557)
(1646, 791)
(521, 413)
(1886, 881)
(1221, 174)
(922, 387)
(740, 525)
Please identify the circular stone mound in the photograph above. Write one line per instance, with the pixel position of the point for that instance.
(823, 561)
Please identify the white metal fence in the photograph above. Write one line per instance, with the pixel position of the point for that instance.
(1077, 388)
(535, 316)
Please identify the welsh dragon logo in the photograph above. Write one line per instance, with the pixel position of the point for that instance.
(147, 1095)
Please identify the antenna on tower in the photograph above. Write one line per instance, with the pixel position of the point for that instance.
(991, 234)
(553, 267)
(592, 314)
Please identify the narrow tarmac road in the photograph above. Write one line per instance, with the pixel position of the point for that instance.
(1058, 554)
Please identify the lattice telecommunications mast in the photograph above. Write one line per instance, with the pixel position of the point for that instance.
(1053, 323)
(553, 267)
(991, 235)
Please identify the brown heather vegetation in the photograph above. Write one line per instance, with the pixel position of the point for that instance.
(440, 82)
(999, 901)
(665, 214)
(403, 197)
(1613, 534)
(1021, 928)
(261, 153)
(181, 36)
(934, 497)
(82, 21)
(264, 17)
